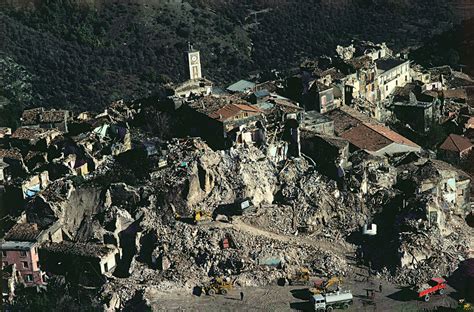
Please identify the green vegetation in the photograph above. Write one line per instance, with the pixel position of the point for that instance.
(453, 47)
(82, 58)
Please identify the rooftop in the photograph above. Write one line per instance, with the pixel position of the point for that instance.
(12, 153)
(27, 133)
(403, 95)
(334, 141)
(373, 137)
(23, 232)
(230, 110)
(388, 63)
(241, 86)
(319, 87)
(314, 118)
(54, 116)
(31, 116)
(13, 245)
(456, 143)
(455, 94)
(89, 250)
(346, 118)
(360, 62)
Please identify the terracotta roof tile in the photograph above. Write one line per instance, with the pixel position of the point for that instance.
(26, 133)
(12, 153)
(31, 116)
(392, 135)
(230, 110)
(366, 138)
(89, 250)
(54, 116)
(373, 137)
(23, 232)
(455, 94)
(456, 143)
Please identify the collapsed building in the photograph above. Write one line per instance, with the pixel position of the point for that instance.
(256, 188)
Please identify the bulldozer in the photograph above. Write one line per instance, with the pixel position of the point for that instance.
(325, 286)
(218, 285)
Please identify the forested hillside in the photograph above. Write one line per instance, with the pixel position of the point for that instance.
(453, 47)
(83, 57)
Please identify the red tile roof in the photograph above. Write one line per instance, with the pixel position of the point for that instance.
(456, 143)
(392, 135)
(12, 153)
(23, 232)
(230, 110)
(366, 138)
(373, 137)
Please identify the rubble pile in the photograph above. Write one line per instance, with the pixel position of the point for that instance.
(205, 178)
(427, 251)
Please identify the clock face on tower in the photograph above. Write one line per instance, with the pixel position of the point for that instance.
(194, 59)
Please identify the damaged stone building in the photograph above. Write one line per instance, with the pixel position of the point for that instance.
(265, 179)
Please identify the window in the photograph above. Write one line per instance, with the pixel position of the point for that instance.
(37, 264)
(386, 88)
(323, 100)
(396, 82)
(22, 253)
(29, 277)
(25, 264)
(4, 253)
(406, 78)
(106, 267)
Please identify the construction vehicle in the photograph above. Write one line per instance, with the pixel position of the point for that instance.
(244, 206)
(322, 287)
(198, 216)
(300, 278)
(330, 301)
(218, 285)
(435, 285)
(201, 216)
(465, 306)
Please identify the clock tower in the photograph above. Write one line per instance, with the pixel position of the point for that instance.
(194, 63)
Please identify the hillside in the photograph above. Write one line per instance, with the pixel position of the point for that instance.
(453, 47)
(82, 56)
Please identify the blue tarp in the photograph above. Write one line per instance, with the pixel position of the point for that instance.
(32, 191)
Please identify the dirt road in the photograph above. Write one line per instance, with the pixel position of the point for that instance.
(277, 298)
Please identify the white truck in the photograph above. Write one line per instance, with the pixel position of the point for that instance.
(330, 301)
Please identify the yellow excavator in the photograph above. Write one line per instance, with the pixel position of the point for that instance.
(218, 285)
(201, 216)
(300, 278)
(325, 286)
(465, 306)
(198, 216)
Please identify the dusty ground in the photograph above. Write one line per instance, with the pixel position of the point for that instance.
(295, 298)
(277, 298)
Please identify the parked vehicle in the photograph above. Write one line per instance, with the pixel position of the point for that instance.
(330, 301)
(435, 285)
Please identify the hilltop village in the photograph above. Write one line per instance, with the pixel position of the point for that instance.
(358, 162)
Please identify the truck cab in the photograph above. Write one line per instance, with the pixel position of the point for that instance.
(318, 302)
(330, 301)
